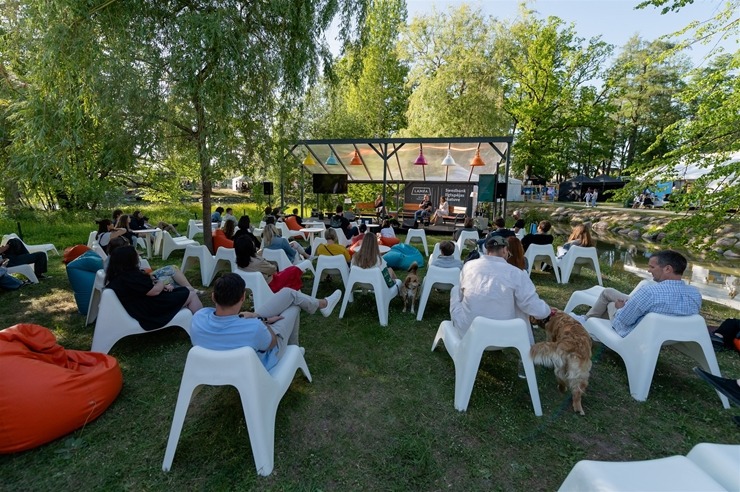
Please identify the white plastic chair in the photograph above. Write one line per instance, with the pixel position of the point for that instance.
(91, 238)
(223, 255)
(588, 297)
(330, 264)
(485, 334)
(261, 292)
(436, 253)
(719, 461)
(99, 250)
(287, 233)
(26, 270)
(260, 392)
(436, 278)
(170, 244)
(114, 323)
(467, 235)
(97, 291)
(371, 278)
(194, 227)
(317, 241)
(672, 473)
(418, 234)
(278, 256)
(32, 248)
(342, 239)
(542, 253)
(574, 259)
(639, 350)
(200, 254)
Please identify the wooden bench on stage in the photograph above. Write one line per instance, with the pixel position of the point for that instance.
(365, 210)
(456, 214)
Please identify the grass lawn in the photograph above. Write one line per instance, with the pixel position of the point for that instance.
(379, 414)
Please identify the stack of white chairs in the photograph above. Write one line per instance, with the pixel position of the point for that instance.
(707, 467)
(576, 258)
(260, 391)
(114, 323)
(32, 248)
(170, 244)
(485, 334)
(640, 348)
(371, 278)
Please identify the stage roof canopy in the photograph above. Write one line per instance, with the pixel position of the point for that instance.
(398, 157)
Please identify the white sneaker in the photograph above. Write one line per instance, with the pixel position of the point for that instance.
(332, 301)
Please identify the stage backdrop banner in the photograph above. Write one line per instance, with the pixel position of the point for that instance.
(457, 194)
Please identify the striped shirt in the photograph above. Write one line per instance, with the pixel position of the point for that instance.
(669, 297)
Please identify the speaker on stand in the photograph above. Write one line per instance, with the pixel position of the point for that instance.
(267, 190)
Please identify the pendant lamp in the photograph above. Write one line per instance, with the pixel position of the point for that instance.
(476, 162)
(309, 161)
(448, 161)
(421, 161)
(356, 160)
(332, 161)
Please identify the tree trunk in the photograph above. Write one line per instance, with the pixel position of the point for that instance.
(205, 172)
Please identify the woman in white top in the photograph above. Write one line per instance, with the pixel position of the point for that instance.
(386, 230)
(442, 210)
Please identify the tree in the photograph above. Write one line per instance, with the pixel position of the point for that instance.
(544, 68)
(214, 75)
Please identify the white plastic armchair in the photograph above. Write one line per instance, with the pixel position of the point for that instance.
(467, 236)
(260, 392)
(99, 250)
(26, 270)
(201, 255)
(97, 291)
(588, 297)
(639, 350)
(419, 234)
(278, 256)
(436, 278)
(114, 323)
(170, 244)
(341, 237)
(542, 253)
(91, 238)
(32, 248)
(719, 461)
(224, 257)
(485, 334)
(330, 264)
(577, 257)
(287, 233)
(256, 284)
(371, 278)
(317, 241)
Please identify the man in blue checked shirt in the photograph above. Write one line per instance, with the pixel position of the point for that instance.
(669, 296)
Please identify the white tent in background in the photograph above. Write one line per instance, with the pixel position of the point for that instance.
(236, 183)
(690, 172)
(514, 191)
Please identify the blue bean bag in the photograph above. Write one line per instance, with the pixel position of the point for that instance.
(81, 274)
(402, 256)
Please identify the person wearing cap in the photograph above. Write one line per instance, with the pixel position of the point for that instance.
(492, 288)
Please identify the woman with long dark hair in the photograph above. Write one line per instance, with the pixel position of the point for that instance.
(245, 229)
(148, 301)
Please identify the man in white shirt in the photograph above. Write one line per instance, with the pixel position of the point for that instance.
(491, 287)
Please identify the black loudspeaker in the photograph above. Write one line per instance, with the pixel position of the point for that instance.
(501, 189)
(485, 187)
(267, 188)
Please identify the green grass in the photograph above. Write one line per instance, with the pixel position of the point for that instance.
(379, 414)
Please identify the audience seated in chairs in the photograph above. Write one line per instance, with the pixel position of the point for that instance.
(271, 239)
(16, 254)
(542, 237)
(579, 237)
(332, 247)
(446, 259)
(387, 235)
(248, 261)
(140, 221)
(516, 253)
(268, 330)
(245, 229)
(369, 255)
(146, 299)
(467, 226)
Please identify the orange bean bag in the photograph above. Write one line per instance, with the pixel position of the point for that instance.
(46, 391)
(73, 252)
(389, 241)
(220, 240)
(293, 225)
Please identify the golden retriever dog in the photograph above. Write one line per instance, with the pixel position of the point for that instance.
(568, 351)
(410, 288)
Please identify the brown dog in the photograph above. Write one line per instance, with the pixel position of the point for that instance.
(568, 351)
(410, 288)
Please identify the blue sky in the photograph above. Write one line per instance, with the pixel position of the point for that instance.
(615, 20)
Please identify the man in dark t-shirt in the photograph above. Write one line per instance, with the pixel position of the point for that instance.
(542, 236)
